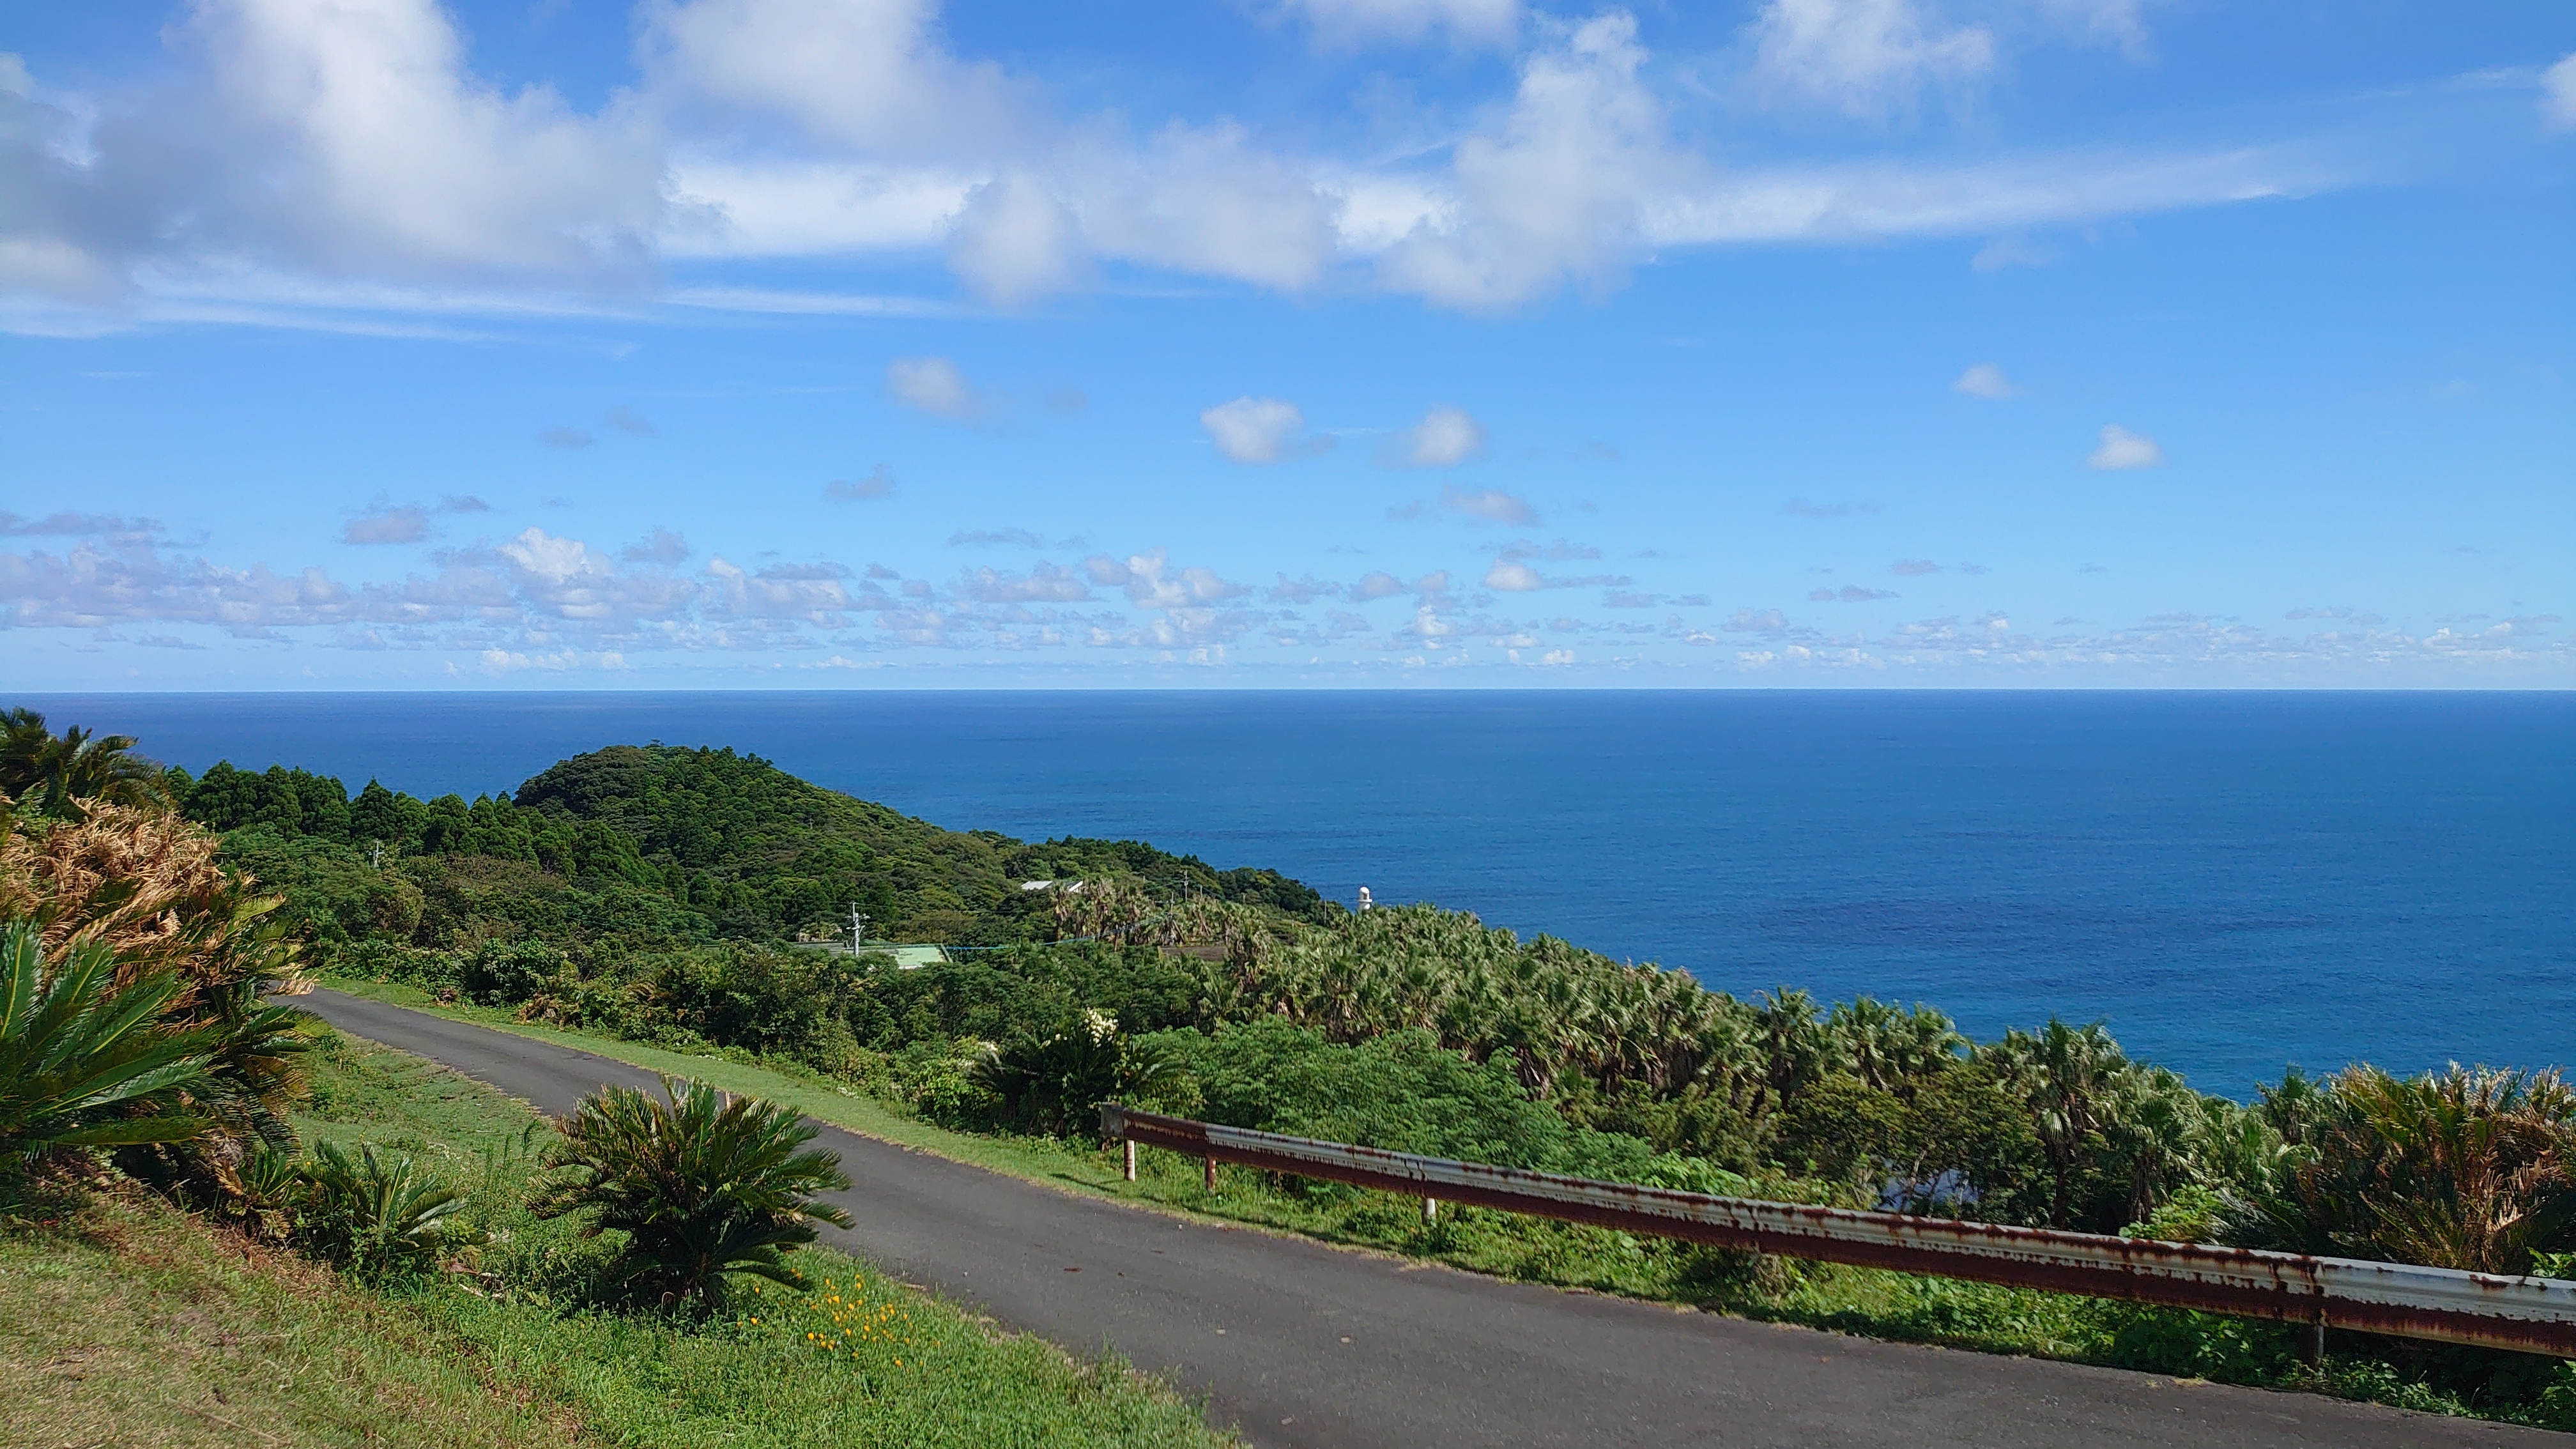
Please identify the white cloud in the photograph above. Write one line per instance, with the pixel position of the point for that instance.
(1493, 505)
(1511, 577)
(1486, 22)
(2558, 91)
(661, 546)
(1986, 380)
(1445, 437)
(345, 135)
(2121, 448)
(385, 524)
(933, 385)
(1557, 192)
(860, 75)
(1207, 201)
(1865, 57)
(879, 483)
(1257, 429)
(1014, 242)
(1044, 583)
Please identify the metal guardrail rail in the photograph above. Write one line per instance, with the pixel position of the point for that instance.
(2533, 1315)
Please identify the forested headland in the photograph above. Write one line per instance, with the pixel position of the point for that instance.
(678, 897)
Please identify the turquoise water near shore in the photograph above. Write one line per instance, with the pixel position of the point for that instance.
(2232, 880)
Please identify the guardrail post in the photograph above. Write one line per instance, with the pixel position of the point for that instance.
(1211, 1174)
(2312, 1341)
(1430, 1210)
(1131, 1159)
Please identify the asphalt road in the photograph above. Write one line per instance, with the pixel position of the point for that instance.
(1301, 1344)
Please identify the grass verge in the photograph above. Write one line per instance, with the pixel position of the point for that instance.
(126, 1321)
(1859, 1301)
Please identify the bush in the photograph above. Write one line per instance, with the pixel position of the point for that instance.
(704, 1187)
(506, 974)
(83, 1063)
(1055, 1086)
(379, 1218)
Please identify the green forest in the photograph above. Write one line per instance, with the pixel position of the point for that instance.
(680, 897)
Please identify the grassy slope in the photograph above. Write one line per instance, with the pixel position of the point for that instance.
(132, 1323)
(124, 1321)
(1852, 1300)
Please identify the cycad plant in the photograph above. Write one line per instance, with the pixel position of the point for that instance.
(378, 1217)
(84, 1063)
(1053, 1085)
(705, 1187)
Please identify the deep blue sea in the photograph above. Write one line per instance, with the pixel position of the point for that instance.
(2233, 881)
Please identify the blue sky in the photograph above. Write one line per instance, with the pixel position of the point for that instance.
(824, 343)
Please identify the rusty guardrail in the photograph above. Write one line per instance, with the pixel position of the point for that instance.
(2534, 1315)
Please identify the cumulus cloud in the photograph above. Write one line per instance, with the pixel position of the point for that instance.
(2119, 448)
(566, 438)
(1445, 437)
(463, 503)
(628, 421)
(1015, 242)
(868, 76)
(1511, 577)
(661, 546)
(1757, 621)
(878, 484)
(1493, 505)
(319, 162)
(1986, 380)
(933, 385)
(1866, 58)
(1557, 191)
(333, 139)
(1259, 430)
(387, 524)
(1908, 567)
(1043, 583)
(1849, 594)
(2558, 92)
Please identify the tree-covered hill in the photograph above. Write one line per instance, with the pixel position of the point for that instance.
(660, 843)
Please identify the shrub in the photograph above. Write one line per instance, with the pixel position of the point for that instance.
(379, 1218)
(704, 1186)
(1054, 1086)
(84, 1063)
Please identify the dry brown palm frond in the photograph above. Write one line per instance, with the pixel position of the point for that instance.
(146, 884)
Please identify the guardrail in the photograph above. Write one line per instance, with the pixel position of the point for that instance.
(2534, 1315)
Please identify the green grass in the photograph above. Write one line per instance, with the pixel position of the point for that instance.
(126, 1321)
(1860, 1301)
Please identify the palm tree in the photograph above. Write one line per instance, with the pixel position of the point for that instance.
(83, 1062)
(704, 1186)
(73, 767)
(2061, 1074)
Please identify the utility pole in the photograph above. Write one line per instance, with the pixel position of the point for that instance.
(858, 930)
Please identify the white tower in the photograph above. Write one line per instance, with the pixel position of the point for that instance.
(1365, 902)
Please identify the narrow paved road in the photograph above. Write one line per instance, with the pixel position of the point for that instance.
(1301, 1344)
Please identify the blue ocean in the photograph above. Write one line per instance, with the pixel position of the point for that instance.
(2233, 881)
